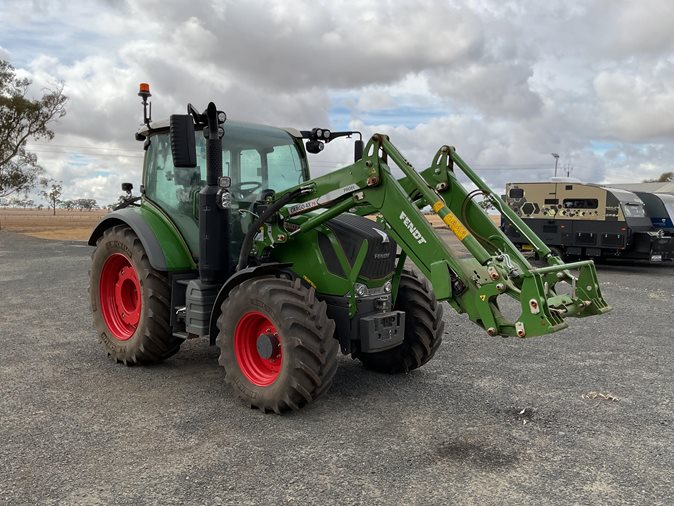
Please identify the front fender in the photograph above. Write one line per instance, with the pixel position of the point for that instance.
(166, 249)
(235, 279)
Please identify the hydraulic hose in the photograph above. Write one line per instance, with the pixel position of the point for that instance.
(247, 244)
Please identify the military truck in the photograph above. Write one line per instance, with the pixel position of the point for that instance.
(582, 220)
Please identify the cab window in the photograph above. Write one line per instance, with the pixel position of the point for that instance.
(174, 188)
(581, 203)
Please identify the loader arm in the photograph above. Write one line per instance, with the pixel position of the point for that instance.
(475, 286)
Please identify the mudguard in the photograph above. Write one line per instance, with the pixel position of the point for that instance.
(235, 279)
(165, 247)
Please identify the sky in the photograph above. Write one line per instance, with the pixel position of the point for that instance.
(507, 83)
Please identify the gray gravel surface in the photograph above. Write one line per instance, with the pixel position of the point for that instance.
(488, 421)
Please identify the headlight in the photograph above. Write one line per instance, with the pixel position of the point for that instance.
(361, 290)
(388, 287)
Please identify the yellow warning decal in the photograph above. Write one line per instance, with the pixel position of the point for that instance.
(438, 205)
(455, 225)
(309, 281)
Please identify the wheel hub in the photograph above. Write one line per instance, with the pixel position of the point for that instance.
(268, 345)
(127, 296)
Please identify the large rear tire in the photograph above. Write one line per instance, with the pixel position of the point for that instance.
(276, 344)
(424, 328)
(130, 300)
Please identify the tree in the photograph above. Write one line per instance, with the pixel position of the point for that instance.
(19, 202)
(486, 205)
(24, 203)
(87, 204)
(120, 200)
(21, 119)
(67, 204)
(53, 193)
(665, 177)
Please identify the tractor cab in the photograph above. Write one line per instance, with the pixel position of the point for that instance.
(255, 158)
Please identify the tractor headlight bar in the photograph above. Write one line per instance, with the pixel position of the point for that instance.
(363, 291)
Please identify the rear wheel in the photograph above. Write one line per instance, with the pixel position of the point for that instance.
(130, 300)
(424, 328)
(276, 344)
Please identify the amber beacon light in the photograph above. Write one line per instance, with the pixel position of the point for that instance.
(144, 93)
(144, 90)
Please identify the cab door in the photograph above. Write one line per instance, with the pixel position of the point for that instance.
(176, 189)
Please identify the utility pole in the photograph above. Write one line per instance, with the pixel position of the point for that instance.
(556, 156)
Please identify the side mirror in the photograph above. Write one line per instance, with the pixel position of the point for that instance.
(183, 146)
(358, 150)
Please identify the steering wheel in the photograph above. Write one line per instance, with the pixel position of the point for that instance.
(251, 187)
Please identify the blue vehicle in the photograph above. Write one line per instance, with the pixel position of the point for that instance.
(660, 209)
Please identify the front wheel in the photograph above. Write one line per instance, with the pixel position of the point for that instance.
(130, 300)
(424, 328)
(276, 344)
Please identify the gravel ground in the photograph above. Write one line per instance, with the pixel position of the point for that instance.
(488, 421)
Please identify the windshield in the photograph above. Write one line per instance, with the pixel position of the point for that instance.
(634, 211)
(260, 159)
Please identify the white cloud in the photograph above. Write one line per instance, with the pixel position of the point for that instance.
(636, 106)
(494, 89)
(506, 82)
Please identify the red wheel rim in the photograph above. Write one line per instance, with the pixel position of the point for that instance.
(259, 370)
(120, 296)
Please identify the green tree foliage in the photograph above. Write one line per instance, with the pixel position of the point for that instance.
(23, 119)
(67, 204)
(82, 204)
(52, 192)
(486, 205)
(665, 177)
(19, 202)
(120, 200)
(87, 204)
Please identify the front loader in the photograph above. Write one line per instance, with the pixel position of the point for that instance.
(233, 241)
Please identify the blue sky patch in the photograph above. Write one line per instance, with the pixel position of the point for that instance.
(410, 111)
(25, 43)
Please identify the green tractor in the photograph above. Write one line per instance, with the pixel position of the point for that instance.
(232, 240)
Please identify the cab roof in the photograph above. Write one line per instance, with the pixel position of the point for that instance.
(163, 124)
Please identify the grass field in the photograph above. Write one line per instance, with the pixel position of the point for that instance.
(65, 225)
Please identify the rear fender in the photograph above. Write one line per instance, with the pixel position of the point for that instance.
(166, 250)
